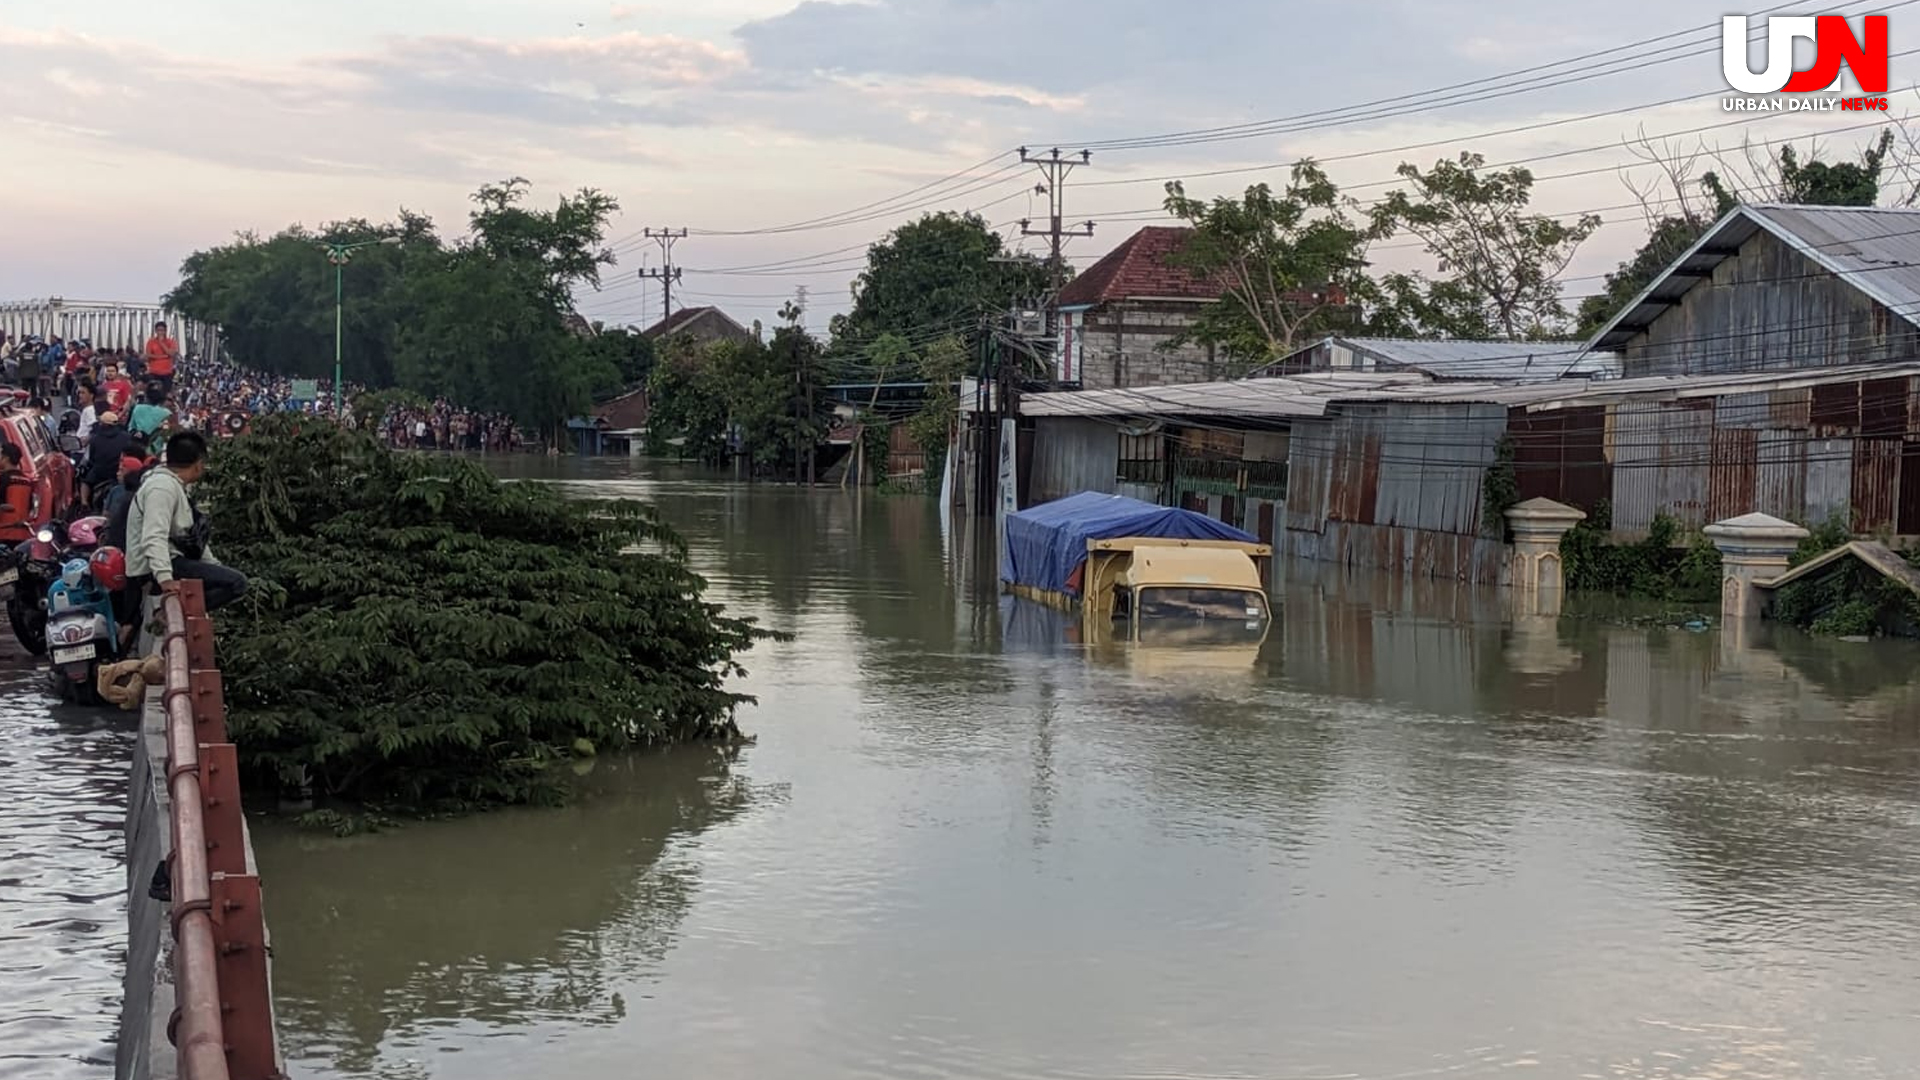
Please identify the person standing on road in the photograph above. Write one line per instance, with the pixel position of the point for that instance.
(162, 353)
(167, 533)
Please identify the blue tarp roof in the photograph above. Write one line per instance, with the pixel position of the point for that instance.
(1045, 544)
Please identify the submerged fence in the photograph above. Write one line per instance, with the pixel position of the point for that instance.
(222, 1026)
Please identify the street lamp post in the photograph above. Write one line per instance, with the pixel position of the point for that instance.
(339, 255)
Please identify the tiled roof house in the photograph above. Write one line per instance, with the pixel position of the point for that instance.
(1117, 318)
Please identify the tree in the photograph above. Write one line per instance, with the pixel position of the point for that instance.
(424, 636)
(482, 321)
(1499, 266)
(770, 393)
(941, 367)
(1270, 254)
(1696, 186)
(932, 275)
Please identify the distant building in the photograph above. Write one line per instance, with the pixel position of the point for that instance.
(1119, 317)
(627, 412)
(702, 324)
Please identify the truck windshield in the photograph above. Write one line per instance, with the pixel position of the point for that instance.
(1181, 602)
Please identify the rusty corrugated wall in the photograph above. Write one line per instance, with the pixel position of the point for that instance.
(1395, 486)
(1310, 475)
(1839, 450)
(1659, 455)
(1562, 455)
(1071, 455)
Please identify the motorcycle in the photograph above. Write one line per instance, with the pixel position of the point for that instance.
(81, 635)
(33, 566)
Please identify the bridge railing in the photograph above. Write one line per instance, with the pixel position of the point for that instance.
(222, 1026)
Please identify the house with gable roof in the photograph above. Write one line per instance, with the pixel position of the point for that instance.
(1774, 287)
(1120, 317)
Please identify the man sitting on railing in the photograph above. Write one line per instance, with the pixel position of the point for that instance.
(167, 533)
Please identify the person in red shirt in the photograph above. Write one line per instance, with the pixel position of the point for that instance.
(116, 391)
(162, 352)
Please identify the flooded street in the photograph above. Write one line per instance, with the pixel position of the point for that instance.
(63, 880)
(1403, 840)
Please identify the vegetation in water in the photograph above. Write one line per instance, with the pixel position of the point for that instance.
(1659, 567)
(1850, 601)
(1822, 538)
(425, 638)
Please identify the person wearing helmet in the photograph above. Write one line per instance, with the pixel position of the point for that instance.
(108, 567)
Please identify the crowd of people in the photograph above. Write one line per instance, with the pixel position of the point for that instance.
(217, 398)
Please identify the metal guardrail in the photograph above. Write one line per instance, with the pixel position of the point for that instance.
(222, 1025)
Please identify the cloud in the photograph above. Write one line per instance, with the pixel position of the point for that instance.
(1145, 65)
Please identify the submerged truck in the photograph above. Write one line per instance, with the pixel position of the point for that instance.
(1138, 571)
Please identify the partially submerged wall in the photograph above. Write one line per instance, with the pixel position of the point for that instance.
(143, 1052)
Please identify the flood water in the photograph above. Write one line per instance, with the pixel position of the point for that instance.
(63, 878)
(1406, 837)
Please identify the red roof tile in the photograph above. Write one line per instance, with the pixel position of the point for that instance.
(1140, 269)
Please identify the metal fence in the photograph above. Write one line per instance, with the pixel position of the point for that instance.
(222, 1027)
(109, 324)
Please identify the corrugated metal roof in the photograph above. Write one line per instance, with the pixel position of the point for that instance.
(1572, 393)
(1300, 395)
(1309, 395)
(1874, 249)
(1506, 361)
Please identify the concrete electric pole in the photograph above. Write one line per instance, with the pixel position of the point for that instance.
(1055, 166)
(667, 273)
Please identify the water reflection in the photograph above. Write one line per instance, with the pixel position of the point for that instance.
(1411, 835)
(513, 919)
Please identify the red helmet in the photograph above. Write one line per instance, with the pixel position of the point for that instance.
(109, 566)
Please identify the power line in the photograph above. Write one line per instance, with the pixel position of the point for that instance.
(1475, 91)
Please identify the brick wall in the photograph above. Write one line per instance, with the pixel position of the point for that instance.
(1125, 344)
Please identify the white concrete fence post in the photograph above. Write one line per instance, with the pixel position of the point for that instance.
(1753, 549)
(1538, 568)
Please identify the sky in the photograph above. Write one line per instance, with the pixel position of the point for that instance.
(787, 137)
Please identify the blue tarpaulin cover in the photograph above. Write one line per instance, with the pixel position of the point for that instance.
(1045, 544)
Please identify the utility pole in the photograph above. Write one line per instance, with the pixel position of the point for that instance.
(800, 305)
(667, 273)
(1055, 167)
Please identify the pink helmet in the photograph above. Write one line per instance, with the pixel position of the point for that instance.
(86, 531)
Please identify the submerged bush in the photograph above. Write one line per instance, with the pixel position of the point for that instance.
(1659, 567)
(423, 636)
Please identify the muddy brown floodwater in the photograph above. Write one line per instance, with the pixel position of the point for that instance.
(1405, 838)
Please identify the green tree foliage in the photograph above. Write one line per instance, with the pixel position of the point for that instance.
(481, 320)
(772, 394)
(931, 276)
(941, 367)
(1784, 176)
(1499, 266)
(1269, 252)
(424, 636)
(628, 351)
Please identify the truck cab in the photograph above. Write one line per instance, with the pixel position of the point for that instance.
(1183, 592)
